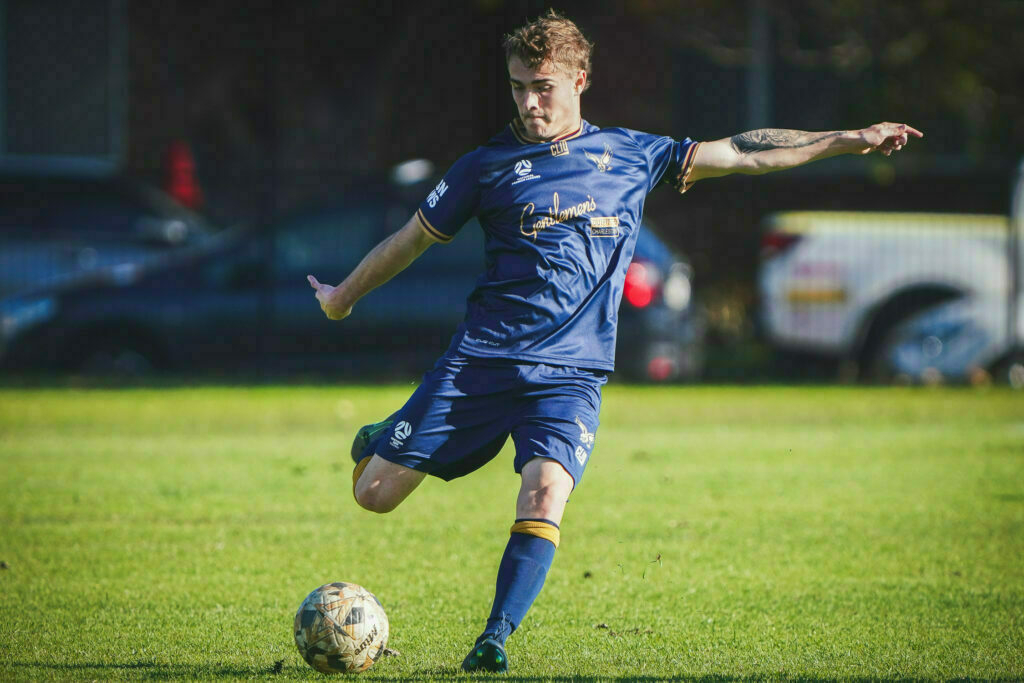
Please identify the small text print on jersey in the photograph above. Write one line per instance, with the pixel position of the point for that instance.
(604, 226)
(436, 195)
(560, 149)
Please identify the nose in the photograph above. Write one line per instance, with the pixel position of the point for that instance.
(532, 101)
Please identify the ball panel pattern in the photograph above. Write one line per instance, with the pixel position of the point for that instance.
(341, 628)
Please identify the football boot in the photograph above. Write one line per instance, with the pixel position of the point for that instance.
(367, 436)
(487, 655)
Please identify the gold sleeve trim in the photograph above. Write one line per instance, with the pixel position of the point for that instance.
(430, 229)
(682, 183)
(544, 530)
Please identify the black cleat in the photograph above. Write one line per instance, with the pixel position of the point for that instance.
(366, 436)
(487, 655)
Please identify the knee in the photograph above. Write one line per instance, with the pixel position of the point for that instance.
(375, 499)
(546, 501)
(545, 490)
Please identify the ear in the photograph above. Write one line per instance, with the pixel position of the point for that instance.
(580, 82)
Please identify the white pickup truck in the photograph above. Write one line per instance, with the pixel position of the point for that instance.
(916, 296)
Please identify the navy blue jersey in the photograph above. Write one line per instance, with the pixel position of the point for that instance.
(560, 221)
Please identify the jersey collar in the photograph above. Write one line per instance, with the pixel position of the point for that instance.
(519, 131)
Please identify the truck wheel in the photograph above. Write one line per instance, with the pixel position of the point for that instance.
(874, 365)
(880, 335)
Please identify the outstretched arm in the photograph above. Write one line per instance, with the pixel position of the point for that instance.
(775, 149)
(384, 261)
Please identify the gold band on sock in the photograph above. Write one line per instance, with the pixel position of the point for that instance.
(358, 471)
(545, 530)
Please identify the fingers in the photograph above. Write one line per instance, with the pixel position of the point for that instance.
(895, 136)
(323, 296)
(913, 131)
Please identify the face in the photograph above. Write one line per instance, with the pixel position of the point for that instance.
(548, 98)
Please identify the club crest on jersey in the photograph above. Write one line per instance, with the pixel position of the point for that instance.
(601, 161)
(524, 169)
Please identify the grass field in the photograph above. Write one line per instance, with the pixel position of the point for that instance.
(720, 533)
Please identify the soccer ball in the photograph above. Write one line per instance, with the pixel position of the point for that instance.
(341, 628)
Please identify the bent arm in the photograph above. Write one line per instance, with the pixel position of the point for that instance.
(384, 261)
(775, 149)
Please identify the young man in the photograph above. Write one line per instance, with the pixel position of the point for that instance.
(560, 203)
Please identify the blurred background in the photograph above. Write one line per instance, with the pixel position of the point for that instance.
(171, 171)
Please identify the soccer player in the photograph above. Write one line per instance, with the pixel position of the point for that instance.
(560, 202)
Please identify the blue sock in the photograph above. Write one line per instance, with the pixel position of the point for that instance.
(521, 575)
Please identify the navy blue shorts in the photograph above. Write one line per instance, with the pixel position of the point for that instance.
(466, 408)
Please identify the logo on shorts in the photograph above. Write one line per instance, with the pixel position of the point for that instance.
(581, 455)
(524, 169)
(586, 436)
(402, 431)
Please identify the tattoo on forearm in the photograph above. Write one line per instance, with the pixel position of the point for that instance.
(776, 138)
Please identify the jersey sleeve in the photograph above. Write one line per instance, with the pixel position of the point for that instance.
(454, 201)
(669, 160)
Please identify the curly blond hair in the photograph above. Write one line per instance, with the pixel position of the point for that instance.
(550, 37)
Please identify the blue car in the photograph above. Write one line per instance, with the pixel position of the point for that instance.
(57, 226)
(964, 340)
(241, 302)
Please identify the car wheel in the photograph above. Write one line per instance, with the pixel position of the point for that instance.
(1010, 371)
(117, 361)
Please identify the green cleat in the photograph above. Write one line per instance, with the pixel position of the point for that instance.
(487, 655)
(367, 436)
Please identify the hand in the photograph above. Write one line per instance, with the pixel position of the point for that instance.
(887, 137)
(325, 294)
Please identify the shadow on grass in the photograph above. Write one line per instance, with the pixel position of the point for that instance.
(141, 670)
(442, 674)
(158, 671)
(439, 674)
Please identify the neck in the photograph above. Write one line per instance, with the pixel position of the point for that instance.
(568, 130)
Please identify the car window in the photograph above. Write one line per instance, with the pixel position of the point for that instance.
(44, 207)
(238, 267)
(328, 244)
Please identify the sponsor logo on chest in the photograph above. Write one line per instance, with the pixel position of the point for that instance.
(524, 171)
(532, 222)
